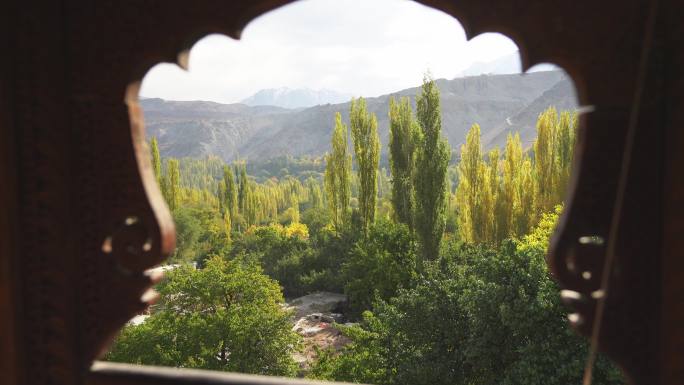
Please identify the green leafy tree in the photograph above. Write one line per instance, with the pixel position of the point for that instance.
(511, 173)
(200, 232)
(156, 160)
(379, 264)
(294, 207)
(251, 203)
(315, 194)
(525, 215)
(338, 174)
(243, 188)
(364, 132)
(188, 231)
(565, 144)
(403, 135)
(491, 198)
(470, 193)
(496, 199)
(480, 316)
(430, 182)
(174, 188)
(279, 252)
(480, 195)
(227, 316)
(227, 225)
(361, 361)
(231, 193)
(545, 161)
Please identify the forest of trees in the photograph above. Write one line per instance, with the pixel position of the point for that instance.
(443, 265)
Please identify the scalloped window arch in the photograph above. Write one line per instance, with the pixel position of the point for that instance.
(184, 60)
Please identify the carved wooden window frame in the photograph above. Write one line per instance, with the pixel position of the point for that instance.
(78, 187)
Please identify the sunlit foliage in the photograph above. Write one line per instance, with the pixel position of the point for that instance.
(480, 315)
(501, 198)
(226, 316)
(364, 132)
(338, 174)
(403, 137)
(432, 158)
(443, 266)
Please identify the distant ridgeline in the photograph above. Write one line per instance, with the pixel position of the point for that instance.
(500, 104)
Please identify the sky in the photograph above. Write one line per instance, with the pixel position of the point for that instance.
(357, 47)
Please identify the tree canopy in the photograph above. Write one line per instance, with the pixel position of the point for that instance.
(226, 316)
(442, 264)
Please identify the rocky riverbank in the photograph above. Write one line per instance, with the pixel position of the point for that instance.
(313, 318)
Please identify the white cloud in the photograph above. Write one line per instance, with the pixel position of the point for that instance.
(360, 47)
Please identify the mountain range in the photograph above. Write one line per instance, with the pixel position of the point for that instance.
(500, 104)
(295, 97)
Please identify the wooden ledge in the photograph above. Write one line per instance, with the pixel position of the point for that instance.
(109, 373)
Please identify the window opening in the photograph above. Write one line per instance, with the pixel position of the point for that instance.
(362, 198)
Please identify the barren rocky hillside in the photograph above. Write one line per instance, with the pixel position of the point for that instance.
(499, 103)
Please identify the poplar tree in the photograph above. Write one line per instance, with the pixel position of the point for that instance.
(491, 197)
(243, 187)
(553, 151)
(173, 170)
(565, 143)
(315, 195)
(430, 182)
(253, 203)
(337, 177)
(227, 225)
(545, 161)
(472, 175)
(221, 193)
(404, 132)
(524, 215)
(272, 212)
(510, 199)
(364, 132)
(294, 205)
(384, 185)
(230, 198)
(162, 180)
(156, 160)
(165, 187)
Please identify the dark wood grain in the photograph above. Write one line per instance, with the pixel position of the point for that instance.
(76, 173)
